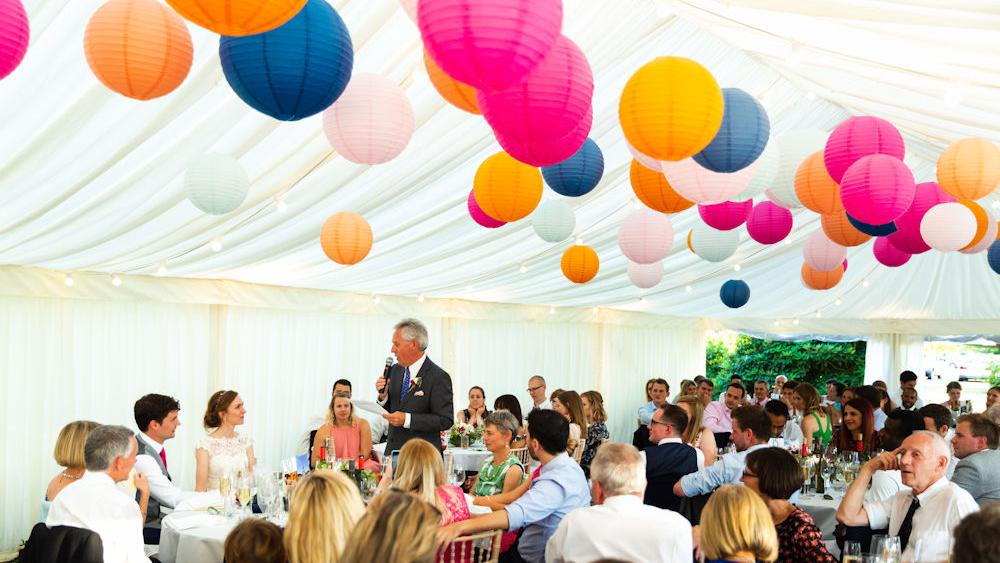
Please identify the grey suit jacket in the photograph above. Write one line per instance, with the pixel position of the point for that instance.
(979, 474)
(153, 515)
(431, 406)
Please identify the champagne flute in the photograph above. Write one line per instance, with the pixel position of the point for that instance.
(225, 489)
(852, 552)
(243, 492)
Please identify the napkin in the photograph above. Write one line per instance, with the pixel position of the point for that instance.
(200, 501)
(195, 520)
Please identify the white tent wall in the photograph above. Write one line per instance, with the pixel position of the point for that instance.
(889, 354)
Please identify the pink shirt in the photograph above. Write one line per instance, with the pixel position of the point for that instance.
(718, 417)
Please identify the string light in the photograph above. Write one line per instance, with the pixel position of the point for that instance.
(864, 282)
(579, 241)
(736, 268)
(776, 322)
(594, 309)
(162, 268)
(376, 299)
(819, 314)
(279, 203)
(552, 310)
(216, 244)
(116, 281)
(522, 268)
(688, 288)
(795, 321)
(838, 302)
(68, 280)
(420, 298)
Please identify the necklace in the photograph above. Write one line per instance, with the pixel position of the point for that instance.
(70, 476)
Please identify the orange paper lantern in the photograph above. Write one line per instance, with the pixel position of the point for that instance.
(580, 264)
(138, 48)
(982, 222)
(346, 238)
(238, 17)
(969, 168)
(815, 279)
(456, 93)
(815, 188)
(840, 230)
(654, 191)
(507, 189)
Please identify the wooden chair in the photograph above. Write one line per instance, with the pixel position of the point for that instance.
(483, 547)
(578, 451)
(522, 454)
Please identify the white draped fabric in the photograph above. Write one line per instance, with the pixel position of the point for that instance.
(889, 354)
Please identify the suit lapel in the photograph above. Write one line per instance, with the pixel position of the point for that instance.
(420, 375)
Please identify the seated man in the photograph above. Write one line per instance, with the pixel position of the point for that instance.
(718, 416)
(705, 390)
(96, 504)
(954, 401)
(975, 445)
(779, 383)
(617, 526)
(907, 381)
(670, 459)
(909, 401)
(559, 488)
(751, 431)
(659, 390)
(937, 419)
(761, 394)
(781, 426)
(927, 514)
(787, 390)
(898, 426)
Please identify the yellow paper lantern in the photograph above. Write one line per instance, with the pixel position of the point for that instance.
(507, 189)
(580, 264)
(815, 188)
(654, 191)
(839, 229)
(238, 17)
(346, 238)
(815, 279)
(671, 108)
(456, 93)
(982, 222)
(969, 168)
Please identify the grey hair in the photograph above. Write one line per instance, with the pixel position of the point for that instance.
(994, 414)
(412, 329)
(503, 420)
(941, 447)
(538, 378)
(619, 469)
(105, 444)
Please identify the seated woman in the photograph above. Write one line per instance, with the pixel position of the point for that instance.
(736, 528)
(254, 541)
(504, 471)
(351, 434)
(774, 475)
(510, 404)
(687, 387)
(858, 421)
(69, 455)
(322, 512)
(420, 472)
(396, 527)
(569, 405)
(476, 413)
(597, 431)
(696, 435)
(815, 422)
(222, 451)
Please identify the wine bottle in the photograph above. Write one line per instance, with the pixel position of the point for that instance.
(322, 463)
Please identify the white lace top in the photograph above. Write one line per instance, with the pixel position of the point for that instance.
(225, 455)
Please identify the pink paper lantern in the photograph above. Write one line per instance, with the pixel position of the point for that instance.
(480, 216)
(645, 276)
(845, 264)
(907, 236)
(889, 255)
(703, 186)
(489, 44)
(646, 236)
(548, 152)
(727, 215)
(948, 226)
(647, 161)
(877, 189)
(992, 229)
(857, 137)
(371, 122)
(822, 254)
(14, 35)
(769, 223)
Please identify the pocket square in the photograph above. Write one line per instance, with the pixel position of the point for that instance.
(418, 394)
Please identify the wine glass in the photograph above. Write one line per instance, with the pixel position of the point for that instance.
(243, 492)
(264, 495)
(891, 549)
(456, 476)
(226, 490)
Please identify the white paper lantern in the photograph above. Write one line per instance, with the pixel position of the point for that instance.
(763, 177)
(216, 183)
(948, 226)
(822, 254)
(713, 245)
(371, 122)
(645, 276)
(646, 236)
(992, 228)
(794, 147)
(553, 220)
(704, 186)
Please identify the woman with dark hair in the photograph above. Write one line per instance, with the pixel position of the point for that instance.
(510, 404)
(476, 413)
(223, 450)
(858, 420)
(774, 475)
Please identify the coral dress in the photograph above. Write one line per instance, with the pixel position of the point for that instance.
(347, 444)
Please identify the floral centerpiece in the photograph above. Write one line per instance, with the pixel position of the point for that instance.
(474, 431)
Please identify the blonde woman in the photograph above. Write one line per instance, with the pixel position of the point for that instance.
(68, 454)
(352, 436)
(569, 405)
(695, 434)
(322, 512)
(815, 422)
(597, 430)
(223, 450)
(420, 472)
(737, 528)
(397, 527)
(687, 387)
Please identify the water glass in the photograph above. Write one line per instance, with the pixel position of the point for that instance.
(878, 540)
(891, 550)
(852, 552)
(465, 440)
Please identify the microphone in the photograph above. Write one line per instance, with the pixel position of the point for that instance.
(388, 366)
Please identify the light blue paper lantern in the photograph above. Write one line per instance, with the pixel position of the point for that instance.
(216, 183)
(553, 221)
(742, 136)
(734, 293)
(578, 174)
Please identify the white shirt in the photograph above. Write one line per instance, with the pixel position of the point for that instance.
(94, 503)
(620, 529)
(897, 399)
(414, 370)
(885, 484)
(699, 455)
(160, 488)
(942, 506)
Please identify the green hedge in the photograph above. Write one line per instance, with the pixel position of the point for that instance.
(810, 361)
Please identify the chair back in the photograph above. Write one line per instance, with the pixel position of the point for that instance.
(62, 544)
(483, 547)
(578, 451)
(522, 455)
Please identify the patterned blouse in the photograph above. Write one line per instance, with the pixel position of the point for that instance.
(800, 540)
(490, 480)
(595, 434)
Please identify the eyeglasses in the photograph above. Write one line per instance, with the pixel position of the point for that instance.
(533, 389)
(748, 474)
(653, 421)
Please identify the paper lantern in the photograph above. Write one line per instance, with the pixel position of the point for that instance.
(727, 215)
(969, 168)
(734, 293)
(294, 71)
(454, 92)
(889, 255)
(742, 135)
(645, 276)
(711, 244)
(769, 223)
(873, 230)
(984, 242)
(371, 122)
(410, 7)
(654, 191)
(993, 256)
(138, 48)
(671, 108)
(794, 147)
(877, 189)
(839, 229)
(907, 236)
(578, 174)
(703, 186)
(983, 220)
(553, 221)
(506, 189)
(857, 137)
(237, 17)
(346, 238)
(815, 279)
(548, 152)
(814, 187)
(489, 44)
(14, 35)
(764, 175)
(948, 226)
(645, 236)
(580, 264)
(216, 183)
(823, 254)
(477, 214)
(648, 162)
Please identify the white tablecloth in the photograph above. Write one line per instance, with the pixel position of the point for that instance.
(202, 542)
(823, 511)
(466, 459)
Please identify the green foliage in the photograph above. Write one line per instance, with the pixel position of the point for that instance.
(994, 373)
(811, 361)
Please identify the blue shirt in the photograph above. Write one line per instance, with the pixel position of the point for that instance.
(880, 417)
(728, 469)
(558, 489)
(645, 413)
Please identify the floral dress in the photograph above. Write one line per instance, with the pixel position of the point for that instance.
(800, 540)
(596, 433)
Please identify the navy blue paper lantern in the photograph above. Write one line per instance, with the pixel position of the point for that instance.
(735, 293)
(993, 255)
(742, 136)
(873, 230)
(295, 70)
(578, 174)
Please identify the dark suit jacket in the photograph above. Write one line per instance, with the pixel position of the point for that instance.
(63, 544)
(431, 406)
